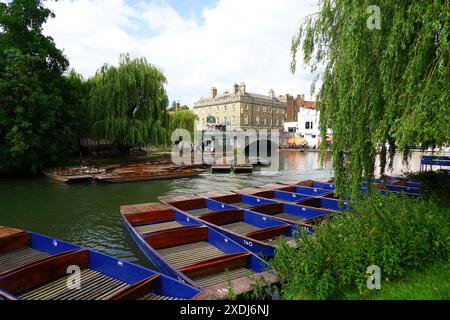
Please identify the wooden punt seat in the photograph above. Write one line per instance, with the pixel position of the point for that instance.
(199, 212)
(20, 257)
(290, 217)
(240, 227)
(241, 205)
(190, 254)
(94, 286)
(152, 296)
(157, 227)
(211, 280)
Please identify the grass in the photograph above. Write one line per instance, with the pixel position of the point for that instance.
(433, 283)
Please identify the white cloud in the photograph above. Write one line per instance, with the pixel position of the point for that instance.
(237, 40)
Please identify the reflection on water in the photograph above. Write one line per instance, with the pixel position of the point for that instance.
(88, 214)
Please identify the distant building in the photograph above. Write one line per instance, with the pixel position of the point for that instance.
(240, 109)
(304, 122)
(293, 105)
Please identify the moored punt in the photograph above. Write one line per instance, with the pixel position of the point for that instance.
(100, 278)
(328, 201)
(276, 195)
(311, 191)
(67, 176)
(379, 187)
(241, 201)
(19, 248)
(254, 231)
(222, 165)
(291, 213)
(193, 252)
(194, 205)
(242, 168)
(146, 175)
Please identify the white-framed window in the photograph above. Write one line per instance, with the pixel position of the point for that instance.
(245, 119)
(264, 109)
(271, 122)
(233, 120)
(277, 122)
(233, 107)
(225, 120)
(225, 108)
(257, 120)
(246, 107)
(257, 108)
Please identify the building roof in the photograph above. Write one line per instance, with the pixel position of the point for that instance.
(237, 96)
(309, 104)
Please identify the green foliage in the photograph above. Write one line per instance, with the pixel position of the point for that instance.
(395, 233)
(429, 284)
(174, 108)
(387, 87)
(435, 185)
(128, 103)
(184, 119)
(38, 113)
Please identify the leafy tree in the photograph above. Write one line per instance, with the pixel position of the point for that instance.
(128, 103)
(173, 107)
(184, 119)
(386, 86)
(37, 114)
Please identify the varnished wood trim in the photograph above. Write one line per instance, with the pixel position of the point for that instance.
(231, 261)
(43, 272)
(136, 290)
(269, 233)
(190, 204)
(176, 237)
(223, 217)
(14, 241)
(269, 208)
(136, 219)
(232, 198)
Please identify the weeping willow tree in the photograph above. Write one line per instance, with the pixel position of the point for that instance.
(184, 119)
(128, 103)
(384, 75)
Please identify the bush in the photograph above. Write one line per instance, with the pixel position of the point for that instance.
(397, 234)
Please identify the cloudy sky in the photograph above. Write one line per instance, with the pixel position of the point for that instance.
(198, 44)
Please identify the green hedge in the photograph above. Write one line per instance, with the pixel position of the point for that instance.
(397, 234)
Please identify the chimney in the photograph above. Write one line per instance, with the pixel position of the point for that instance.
(235, 88)
(271, 93)
(213, 92)
(242, 87)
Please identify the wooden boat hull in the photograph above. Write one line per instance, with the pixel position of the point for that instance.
(102, 277)
(220, 168)
(243, 170)
(199, 208)
(68, 179)
(140, 178)
(188, 232)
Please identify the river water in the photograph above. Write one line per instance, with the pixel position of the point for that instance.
(88, 214)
